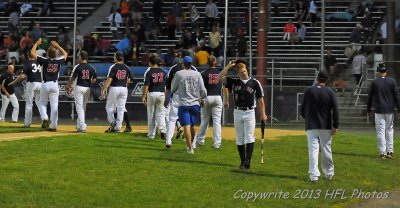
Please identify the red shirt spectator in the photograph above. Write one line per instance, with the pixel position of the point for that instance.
(289, 27)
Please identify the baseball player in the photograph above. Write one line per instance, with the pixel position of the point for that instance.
(212, 105)
(32, 71)
(153, 97)
(173, 108)
(384, 97)
(49, 89)
(8, 95)
(85, 75)
(117, 80)
(246, 92)
(189, 86)
(320, 110)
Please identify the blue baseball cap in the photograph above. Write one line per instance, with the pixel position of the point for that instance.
(187, 59)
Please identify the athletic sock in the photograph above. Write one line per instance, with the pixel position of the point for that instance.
(249, 151)
(242, 153)
(126, 119)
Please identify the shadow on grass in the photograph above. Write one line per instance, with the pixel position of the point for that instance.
(188, 161)
(249, 172)
(354, 154)
(143, 142)
(130, 147)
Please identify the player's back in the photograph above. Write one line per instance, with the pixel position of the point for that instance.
(155, 78)
(84, 73)
(211, 81)
(119, 74)
(33, 71)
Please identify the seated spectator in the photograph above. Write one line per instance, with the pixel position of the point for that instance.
(102, 45)
(89, 44)
(36, 32)
(9, 42)
(115, 21)
(45, 41)
(202, 57)
(25, 7)
(169, 57)
(144, 60)
(13, 21)
(299, 36)
(289, 29)
(215, 40)
(26, 42)
(47, 7)
(151, 31)
(330, 65)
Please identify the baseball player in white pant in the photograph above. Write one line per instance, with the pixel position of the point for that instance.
(85, 75)
(321, 114)
(49, 88)
(383, 95)
(153, 97)
(246, 91)
(211, 106)
(33, 72)
(8, 95)
(117, 80)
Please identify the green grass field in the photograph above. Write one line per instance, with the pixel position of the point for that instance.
(11, 129)
(127, 170)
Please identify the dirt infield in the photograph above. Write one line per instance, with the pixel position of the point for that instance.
(228, 133)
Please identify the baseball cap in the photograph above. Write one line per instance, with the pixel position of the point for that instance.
(187, 59)
(323, 76)
(240, 61)
(381, 67)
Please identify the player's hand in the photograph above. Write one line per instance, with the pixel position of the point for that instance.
(333, 131)
(202, 103)
(55, 44)
(264, 118)
(226, 105)
(8, 95)
(166, 103)
(144, 101)
(69, 91)
(39, 41)
(232, 63)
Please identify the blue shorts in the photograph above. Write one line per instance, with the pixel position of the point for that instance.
(189, 115)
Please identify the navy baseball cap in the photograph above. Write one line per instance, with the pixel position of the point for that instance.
(187, 59)
(381, 67)
(240, 61)
(323, 76)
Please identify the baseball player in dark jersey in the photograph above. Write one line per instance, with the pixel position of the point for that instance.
(174, 101)
(383, 95)
(320, 110)
(49, 89)
(153, 97)
(85, 75)
(117, 80)
(33, 73)
(8, 95)
(246, 92)
(212, 105)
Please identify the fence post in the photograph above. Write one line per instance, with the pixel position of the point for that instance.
(272, 93)
(72, 111)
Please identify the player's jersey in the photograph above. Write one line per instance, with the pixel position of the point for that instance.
(211, 82)
(51, 68)
(172, 71)
(84, 73)
(245, 92)
(119, 74)
(33, 71)
(155, 79)
(6, 79)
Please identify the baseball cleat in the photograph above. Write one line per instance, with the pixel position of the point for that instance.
(128, 129)
(113, 124)
(389, 155)
(329, 177)
(162, 135)
(179, 133)
(190, 151)
(382, 156)
(242, 166)
(168, 146)
(51, 129)
(247, 164)
(81, 131)
(109, 130)
(45, 124)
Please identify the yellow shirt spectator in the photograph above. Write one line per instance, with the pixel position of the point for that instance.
(202, 57)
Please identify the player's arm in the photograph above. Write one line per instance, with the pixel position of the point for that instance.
(94, 78)
(175, 83)
(35, 46)
(224, 72)
(335, 114)
(261, 106)
(144, 95)
(106, 86)
(55, 44)
(3, 89)
(370, 98)
(19, 78)
(225, 92)
(168, 86)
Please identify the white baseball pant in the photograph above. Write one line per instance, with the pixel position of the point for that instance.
(49, 91)
(4, 104)
(155, 113)
(245, 123)
(32, 91)
(81, 95)
(320, 138)
(384, 131)
(212, 107)
(172, 118)
(116, 98)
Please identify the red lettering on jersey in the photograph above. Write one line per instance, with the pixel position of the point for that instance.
(158, 77)
(85, 74)
(213, 79)
(53, 68)
(121, 74)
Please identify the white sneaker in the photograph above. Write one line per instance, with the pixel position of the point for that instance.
(190, 151)
(217, 146)
(329, 177)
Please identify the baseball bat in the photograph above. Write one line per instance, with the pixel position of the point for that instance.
(262, 141)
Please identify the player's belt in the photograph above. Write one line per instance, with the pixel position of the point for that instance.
(244, 108)
(50, 81)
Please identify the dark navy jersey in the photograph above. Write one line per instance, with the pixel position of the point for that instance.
(155, 79)
(119, 73)
(84, 73)
(51, 68)
(172, 71)
(211, 82)
(383, 95)
(6, 79)
(245, 92)
(33, 71)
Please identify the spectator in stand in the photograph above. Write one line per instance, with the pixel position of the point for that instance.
(359, 65)
(36, 32)
(137, 9)
(125, 11)
(13, 21)
(355, 37)
(135, 49)
(2, 5)
(215, 40)
(211, 12)
(188, 39)
(26, 42)
(144, 60)
(299, 36)
(368, 25)
(124, 45)
(169, 57)
(202, 56)
(9, 42)
(11, 7)
(102, 46)
(275, 6)
(171, 23)
(151, 31)
(290, 5)
(115, 21)
(312, 12)
(45, 41)
(139, 30)
(157, 13)
(330, 65)
(200, 36)
(25, 7)
(89, 44)
(177, 11)
(289, 30)
(241, 45)
(302, 9)
(79, 40)
(47, 7)
(194, 15)
(161, 55)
